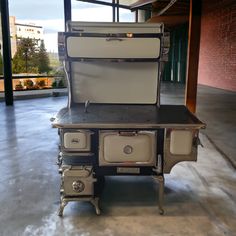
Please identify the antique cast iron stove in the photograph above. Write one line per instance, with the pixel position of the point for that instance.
(114, 123)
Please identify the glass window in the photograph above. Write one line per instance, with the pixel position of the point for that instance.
(82, 11)
(126, 15)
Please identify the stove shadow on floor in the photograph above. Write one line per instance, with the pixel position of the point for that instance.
(132, 195)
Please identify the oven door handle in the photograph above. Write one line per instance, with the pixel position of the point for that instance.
(127, 133)
(114, 39)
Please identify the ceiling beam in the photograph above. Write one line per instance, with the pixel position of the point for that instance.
(169, 20)
(166, 8)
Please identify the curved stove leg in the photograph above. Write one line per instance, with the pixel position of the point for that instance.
(161, 182)
(62, 206)
(95, 201)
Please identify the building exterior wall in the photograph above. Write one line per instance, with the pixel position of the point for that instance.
(29, 31)
(12, 21)
(217, 64)
(18, 31)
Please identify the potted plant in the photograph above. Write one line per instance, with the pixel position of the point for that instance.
(29, 84)
(41, 83)
(19, 86)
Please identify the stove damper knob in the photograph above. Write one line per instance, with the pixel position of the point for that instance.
(78, 186)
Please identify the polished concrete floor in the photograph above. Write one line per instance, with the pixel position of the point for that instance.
(200, 198)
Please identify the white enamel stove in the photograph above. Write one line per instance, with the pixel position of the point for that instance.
(114, 123)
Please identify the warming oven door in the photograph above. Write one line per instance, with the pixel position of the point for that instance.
(127, 148)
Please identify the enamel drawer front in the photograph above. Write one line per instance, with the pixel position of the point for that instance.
(181, 142)
(92, 47)
(137, 149)
(79, 141)
(78, 181)
(180, 145)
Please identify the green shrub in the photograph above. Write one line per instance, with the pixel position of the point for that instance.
(54, 84)
(61, 84)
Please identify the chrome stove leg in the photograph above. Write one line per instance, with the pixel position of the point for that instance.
(59, 160)
(62, 206)
(94, 201)
(161, 181)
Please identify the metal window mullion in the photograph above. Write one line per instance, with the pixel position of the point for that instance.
(7, 66)
(136, 16)
(113, 11)
(117, 11)
(67, 12)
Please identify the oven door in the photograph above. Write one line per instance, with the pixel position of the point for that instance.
(122, 148)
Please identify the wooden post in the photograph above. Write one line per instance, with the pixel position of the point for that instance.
(193, 54)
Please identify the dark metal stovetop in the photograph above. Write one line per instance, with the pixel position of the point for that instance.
(125, 116)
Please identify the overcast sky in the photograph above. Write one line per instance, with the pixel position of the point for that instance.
(50, 15)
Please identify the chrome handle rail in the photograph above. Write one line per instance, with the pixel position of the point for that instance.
(114, 39)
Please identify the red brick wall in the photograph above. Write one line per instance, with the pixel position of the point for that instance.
(217, 65)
